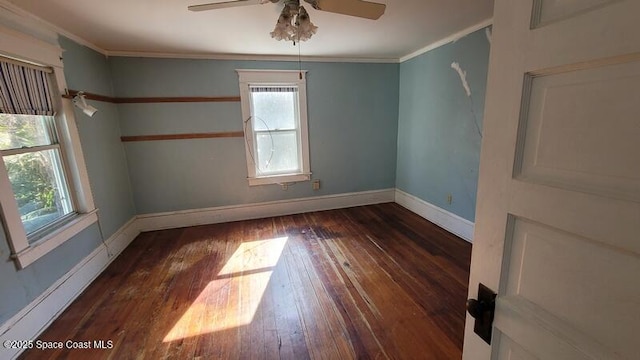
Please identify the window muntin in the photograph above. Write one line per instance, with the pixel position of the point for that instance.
(62, 148)
(32, 157)
(275, 119)
(274, 110)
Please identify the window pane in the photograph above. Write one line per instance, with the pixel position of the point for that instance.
(19, 131)
(274, 110)
(39, 186)
(277, 153)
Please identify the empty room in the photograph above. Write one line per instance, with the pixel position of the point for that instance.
(319, 179)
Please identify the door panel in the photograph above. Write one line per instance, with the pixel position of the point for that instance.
(544, 335)
(581, 128)
(546, 264)
(546, 11)
(509, 350)
(558, 213)
(613, 222)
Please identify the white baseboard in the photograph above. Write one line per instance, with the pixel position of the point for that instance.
(443, 218)
(177, 219)
(40, 313)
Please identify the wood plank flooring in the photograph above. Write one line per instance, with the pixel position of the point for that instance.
(373, 282)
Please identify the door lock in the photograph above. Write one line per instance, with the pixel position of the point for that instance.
(483, 310)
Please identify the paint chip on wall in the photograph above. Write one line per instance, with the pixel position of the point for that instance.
(463, 77)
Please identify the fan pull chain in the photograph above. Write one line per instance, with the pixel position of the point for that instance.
(299, 60)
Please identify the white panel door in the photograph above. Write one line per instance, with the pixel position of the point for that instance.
(558, 217)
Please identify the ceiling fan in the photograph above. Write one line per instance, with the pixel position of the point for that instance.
(358, 8)
(294, 23)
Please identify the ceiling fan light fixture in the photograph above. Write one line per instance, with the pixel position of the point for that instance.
(305, 28)
(284, 28)
(294, 23)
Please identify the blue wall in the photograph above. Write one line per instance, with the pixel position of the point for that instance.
(438, 140)
(371, 126)
(104, 153)
(106, 165)
(352, 111)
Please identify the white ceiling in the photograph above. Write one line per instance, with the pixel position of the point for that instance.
(127, 27)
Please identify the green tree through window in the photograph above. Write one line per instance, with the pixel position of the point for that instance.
(31, 156)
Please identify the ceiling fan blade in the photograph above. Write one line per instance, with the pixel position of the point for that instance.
(224, 4)
(358, 8)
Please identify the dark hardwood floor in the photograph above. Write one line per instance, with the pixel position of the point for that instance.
(371, 282)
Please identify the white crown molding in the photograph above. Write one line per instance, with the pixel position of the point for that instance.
(8, 6)
(441, 217)
(27, 48)
(291, 58)
(449, 39)
(249, 57)
(81, 41)
(34, 318)
(185, 218)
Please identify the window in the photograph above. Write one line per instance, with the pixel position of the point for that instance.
(274, 111)
(33, 161)
(45, 198)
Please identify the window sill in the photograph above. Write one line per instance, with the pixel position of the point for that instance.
(278, 179)
(54, 239)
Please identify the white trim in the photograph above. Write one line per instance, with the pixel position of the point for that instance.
(278, 179)
(68, 131)
(25, 257)
(79, 40)
(185, 218)
(49, 26)
(41, 312)
(13, 17)
(441, 217)
(449, 39)
(297, 78)
(271, 76)
(525, 321)
(250, 57)
(23, 46)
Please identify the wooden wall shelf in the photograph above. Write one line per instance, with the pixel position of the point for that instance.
(231, 134)
(149, 100)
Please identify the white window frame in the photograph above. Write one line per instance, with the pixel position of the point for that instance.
(28, 49)
(275, 78)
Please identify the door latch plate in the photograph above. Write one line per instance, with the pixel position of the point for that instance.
(483, 311)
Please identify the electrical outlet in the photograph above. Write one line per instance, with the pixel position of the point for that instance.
(449, 199)
(315, 185)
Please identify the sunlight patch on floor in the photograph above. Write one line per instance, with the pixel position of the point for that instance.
(231, 300)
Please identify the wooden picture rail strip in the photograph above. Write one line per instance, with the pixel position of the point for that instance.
(231, 134)
(90, 96)
(141, 100)
(148, 100)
